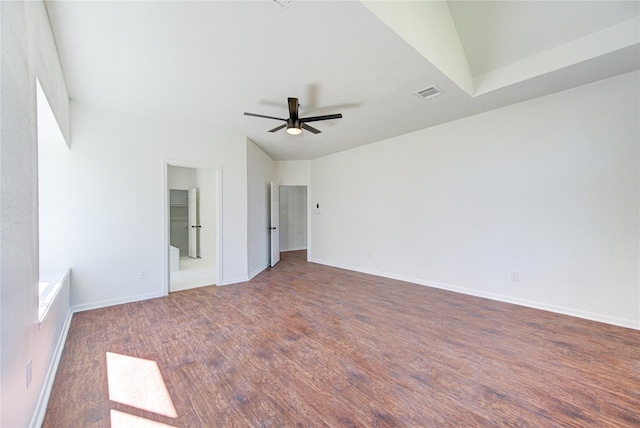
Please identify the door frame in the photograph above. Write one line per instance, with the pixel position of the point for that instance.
(166, 163)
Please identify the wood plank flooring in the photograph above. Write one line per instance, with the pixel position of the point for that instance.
(309, 345)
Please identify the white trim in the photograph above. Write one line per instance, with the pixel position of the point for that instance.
(234, 281)
(52, 293)
(621, 322)
(118, 301)
(293, 249)
(47, 386)
(257, 272)
(165, 217)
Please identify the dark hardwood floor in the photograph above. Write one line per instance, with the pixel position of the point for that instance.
(309, 345)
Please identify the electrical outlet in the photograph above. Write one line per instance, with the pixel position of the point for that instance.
(28, 373)
(142, 274)
(515, 276)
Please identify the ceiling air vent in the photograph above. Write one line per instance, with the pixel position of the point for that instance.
(430, 92)
(284, 3)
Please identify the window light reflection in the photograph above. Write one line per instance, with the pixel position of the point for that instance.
(125, 420)
(138, 383)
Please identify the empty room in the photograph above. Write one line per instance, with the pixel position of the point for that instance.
(319, 213)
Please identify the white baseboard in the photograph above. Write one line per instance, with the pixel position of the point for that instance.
(43, 399)
(113, 302)
(621, 322)
(45, 392)
(256, 272)
(234, 280)
(41, 407)
(292, 249)
(244, 279)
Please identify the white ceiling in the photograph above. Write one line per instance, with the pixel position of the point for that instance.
(207, 62)
(496, 34)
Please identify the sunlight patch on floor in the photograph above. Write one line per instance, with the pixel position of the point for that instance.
(138, 383)
(125, 420)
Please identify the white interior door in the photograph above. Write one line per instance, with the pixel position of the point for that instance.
(194, 223)
(274, 224)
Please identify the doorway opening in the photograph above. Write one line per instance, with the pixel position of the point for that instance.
(192, 225)
(293, 218)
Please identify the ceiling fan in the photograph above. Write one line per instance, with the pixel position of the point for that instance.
(296, 124)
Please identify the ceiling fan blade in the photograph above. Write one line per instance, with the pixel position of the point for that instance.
(317, 118)
(310, 128)
(277, 128)
(293, 109)
(263, 116)
(326, 108)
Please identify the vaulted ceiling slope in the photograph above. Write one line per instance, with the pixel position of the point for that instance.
(207, 62)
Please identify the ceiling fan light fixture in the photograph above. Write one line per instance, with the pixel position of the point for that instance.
(295, 124)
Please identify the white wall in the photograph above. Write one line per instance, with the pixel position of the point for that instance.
(116, 173)
(43, 58)
(27, 51)
(260, 173)
(548, 188)
(293, 173)
(293, 218)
